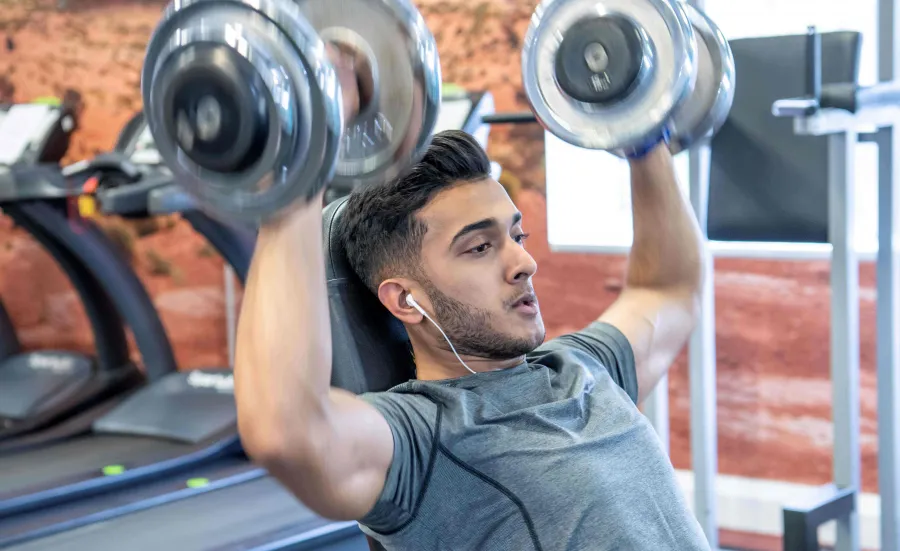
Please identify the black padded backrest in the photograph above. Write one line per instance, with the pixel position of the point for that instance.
(767, 183)
(370, 346)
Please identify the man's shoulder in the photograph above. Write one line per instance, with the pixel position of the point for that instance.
(590, 335)
(600, 347)
(405, 404)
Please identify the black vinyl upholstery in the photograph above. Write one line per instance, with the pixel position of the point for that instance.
(767, 183)
(370, 346)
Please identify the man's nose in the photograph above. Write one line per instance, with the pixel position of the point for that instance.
(522, 264)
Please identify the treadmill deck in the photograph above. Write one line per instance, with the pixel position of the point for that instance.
(232, 518)
(86, 454)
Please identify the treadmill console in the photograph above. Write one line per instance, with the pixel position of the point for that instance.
(156, 192)
(191, 407)
(32, 133)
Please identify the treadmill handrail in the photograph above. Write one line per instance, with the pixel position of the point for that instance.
(234, 244)
(92, 248)
(110, 338)
(9, 341)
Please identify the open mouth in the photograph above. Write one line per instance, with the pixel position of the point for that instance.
(526, 304)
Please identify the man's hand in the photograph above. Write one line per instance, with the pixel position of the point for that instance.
(658, 308)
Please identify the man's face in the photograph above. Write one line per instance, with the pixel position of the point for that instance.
(478, 273)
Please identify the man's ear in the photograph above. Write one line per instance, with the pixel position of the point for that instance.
(392, 294)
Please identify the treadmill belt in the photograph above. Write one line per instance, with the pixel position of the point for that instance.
(81, 455)
(236, 517)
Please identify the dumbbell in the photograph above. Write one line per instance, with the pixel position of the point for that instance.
(246, 108)
(618, 75)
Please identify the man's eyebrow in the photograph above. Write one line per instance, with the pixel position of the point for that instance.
(473, 227)
(482, 225)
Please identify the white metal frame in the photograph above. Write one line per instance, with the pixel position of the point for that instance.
(887, 270)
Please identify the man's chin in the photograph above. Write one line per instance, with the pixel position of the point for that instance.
(532, 340)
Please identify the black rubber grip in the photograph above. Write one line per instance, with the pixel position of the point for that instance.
(525, 117)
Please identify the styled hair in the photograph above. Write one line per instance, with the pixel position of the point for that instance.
(381, 233)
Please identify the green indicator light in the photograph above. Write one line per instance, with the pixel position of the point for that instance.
(113, 470)
(48, 100)
(197, 482)
(452, 90)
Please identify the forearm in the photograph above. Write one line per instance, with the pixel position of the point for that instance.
(668, 246)
(283, 352)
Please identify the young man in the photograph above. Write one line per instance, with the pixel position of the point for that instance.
(502, 442)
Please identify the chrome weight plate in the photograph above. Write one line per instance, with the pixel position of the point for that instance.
(243, 104)
(607, 74)
(400, 84)
(706, 108)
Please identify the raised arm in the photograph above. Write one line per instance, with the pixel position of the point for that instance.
(328, 447)
(658, 306)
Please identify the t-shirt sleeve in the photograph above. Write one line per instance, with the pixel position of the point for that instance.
(609, 347)
(412, 421)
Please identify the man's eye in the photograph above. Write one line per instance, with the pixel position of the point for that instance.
(520, 239)
(480, 249)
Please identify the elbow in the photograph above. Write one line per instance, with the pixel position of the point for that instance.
(276, 448)
(686, 306)
(263, 441)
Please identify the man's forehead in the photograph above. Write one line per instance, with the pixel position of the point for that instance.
(463, 204)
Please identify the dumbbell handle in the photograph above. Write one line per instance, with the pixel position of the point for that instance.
(525, 117)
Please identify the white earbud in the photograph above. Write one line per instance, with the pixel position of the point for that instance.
(412, 302)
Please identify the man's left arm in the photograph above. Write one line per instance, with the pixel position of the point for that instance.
(658, 306)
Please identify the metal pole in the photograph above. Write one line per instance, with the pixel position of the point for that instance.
(888, 293)
(844, 327)
(230, 313)
(702, 361)
(702, 368)
(888, 356)
(656, 408)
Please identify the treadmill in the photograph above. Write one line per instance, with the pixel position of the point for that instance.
(224, 505)
(229, 505)
(177, 420)
(42, 388)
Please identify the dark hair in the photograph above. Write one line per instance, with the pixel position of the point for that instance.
(381, 234)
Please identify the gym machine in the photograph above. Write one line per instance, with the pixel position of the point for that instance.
(49, 127)
(847, 114)
(50, 393)
(204, 506)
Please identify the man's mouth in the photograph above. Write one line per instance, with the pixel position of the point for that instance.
(526, 304)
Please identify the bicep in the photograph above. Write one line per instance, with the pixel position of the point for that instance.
(657, 324)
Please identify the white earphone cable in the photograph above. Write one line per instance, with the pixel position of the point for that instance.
(412, 302)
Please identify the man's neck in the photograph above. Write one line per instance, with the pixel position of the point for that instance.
(443, 365)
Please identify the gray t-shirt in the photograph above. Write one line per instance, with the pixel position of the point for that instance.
(550, 455)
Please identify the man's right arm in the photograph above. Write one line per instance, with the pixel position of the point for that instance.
(327, 446)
